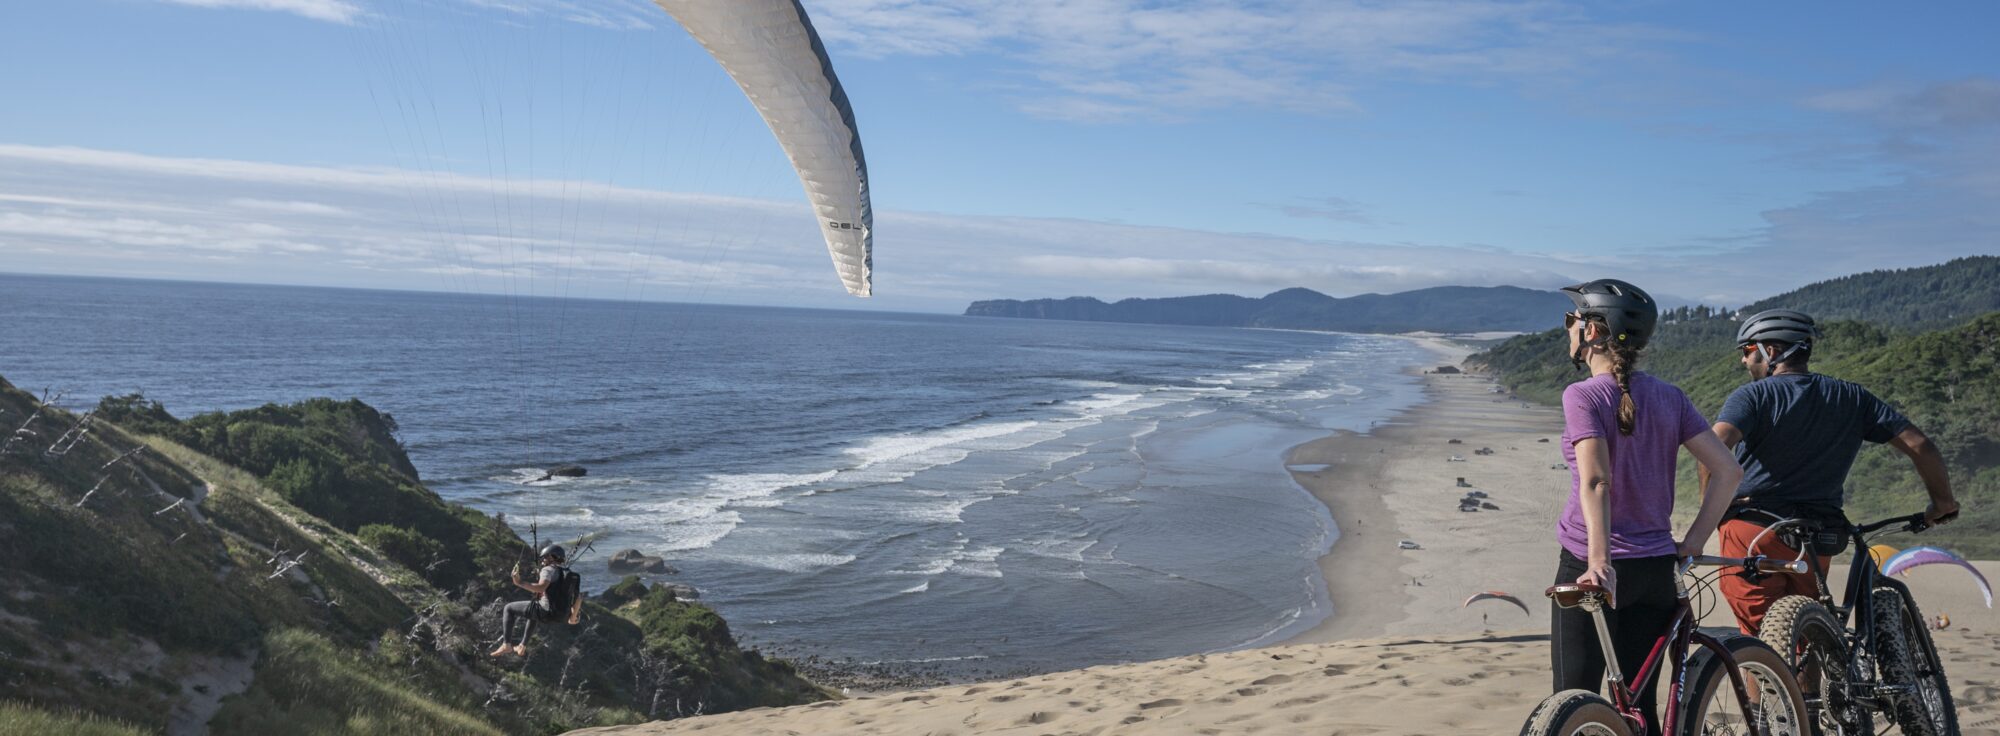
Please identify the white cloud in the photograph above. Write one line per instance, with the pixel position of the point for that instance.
(101, 212)
(332, 11)
(291, 207)
(1113, 59)
(87, 211)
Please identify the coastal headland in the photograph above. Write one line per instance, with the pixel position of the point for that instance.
(1400, 654)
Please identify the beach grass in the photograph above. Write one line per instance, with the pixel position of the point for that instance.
(307, 685)
(22, 719)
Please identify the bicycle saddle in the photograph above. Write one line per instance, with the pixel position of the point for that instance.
(1571, 595)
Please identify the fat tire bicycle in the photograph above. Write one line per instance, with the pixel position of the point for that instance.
(1708, 674)
(1872, 655)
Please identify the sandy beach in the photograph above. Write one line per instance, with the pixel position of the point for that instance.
(1400, 654)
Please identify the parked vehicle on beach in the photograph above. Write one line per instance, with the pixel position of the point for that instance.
(1871, 654)
(1729, 684)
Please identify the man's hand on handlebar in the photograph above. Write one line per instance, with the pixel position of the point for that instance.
(1940, 513)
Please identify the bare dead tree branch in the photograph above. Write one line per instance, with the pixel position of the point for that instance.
(123, 457)
(92, 492)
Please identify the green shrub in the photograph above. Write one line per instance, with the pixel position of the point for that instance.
(405, 547)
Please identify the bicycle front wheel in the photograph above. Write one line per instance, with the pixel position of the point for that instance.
(1908, 661)
(1575, 713)
(1709, 706)
(1814, 644)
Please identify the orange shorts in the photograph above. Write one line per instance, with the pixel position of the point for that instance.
(1747, 599)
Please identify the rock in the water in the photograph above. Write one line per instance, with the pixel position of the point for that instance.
(563, 471)
(683, 591)
(634, 561)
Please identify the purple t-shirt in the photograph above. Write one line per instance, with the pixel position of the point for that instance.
(1642, 463)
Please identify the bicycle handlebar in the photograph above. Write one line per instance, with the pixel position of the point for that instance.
(1760, 562)
(1914, 523)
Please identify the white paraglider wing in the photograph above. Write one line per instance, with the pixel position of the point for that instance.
(1915, 557)
(770, 49)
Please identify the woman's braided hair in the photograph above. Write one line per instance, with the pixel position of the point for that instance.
(1624, 359)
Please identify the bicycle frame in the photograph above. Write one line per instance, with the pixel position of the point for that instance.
(1857, 616)
(1671, 648)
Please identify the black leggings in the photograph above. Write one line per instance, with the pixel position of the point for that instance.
(1645, 605)
(524, 611)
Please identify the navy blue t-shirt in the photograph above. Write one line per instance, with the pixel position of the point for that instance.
(1801, 432)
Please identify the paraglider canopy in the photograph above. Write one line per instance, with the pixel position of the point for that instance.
(1914, 557)
(1495, 595)
(770, 48)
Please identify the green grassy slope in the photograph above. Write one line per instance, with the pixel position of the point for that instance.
(162, 587)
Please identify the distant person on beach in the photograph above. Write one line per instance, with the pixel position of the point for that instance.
(1796, 433)
(556, 590)
(1622, 430)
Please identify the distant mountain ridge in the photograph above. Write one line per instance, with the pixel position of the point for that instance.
(1436, 309)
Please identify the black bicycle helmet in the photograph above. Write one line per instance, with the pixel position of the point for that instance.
(1777, 325)
(555, 551)
(1629, 313)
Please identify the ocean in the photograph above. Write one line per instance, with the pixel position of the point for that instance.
(967, 494)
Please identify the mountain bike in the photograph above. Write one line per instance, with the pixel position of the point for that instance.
(1728, 684)
(1873, 654)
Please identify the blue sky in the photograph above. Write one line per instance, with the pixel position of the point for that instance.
(1715, 152)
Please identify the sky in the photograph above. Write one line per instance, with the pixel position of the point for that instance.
(1713, 153)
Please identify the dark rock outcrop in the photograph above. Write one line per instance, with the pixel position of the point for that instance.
(626, 561)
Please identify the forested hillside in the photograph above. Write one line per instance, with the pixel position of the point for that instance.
(1923, 298)
(283, 570)
(1915, 349)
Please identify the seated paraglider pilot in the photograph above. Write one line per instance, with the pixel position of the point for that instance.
(555, 590)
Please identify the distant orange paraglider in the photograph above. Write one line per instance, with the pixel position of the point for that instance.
(1881, 553)
(1495, 595)
(1942, 622)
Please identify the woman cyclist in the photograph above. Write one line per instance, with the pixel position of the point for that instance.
(1622, 432)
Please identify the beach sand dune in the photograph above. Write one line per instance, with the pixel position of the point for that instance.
(1400, 655)
(1480, 684)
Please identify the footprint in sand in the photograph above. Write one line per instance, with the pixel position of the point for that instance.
(1295, 702)
(1273, 680)
(1250, 691)
(1001, 698)
(1036, 718)
(1129, 720)
(1336, 669)
(1161, 703)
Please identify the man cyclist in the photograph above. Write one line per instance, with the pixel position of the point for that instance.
(1796, 433)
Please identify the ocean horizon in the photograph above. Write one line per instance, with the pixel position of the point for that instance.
(975, 495)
